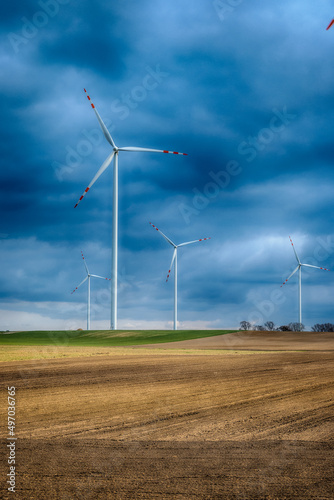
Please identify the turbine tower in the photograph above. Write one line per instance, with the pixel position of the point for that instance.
(88, 294)
(105, 164)
(174, 261)
(299, 269)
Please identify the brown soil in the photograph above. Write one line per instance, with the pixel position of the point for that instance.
(237, 426)
(262, 341)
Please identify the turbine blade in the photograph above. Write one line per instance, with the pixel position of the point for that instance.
(330, 24)
(102, 278)
(195, 241)
(105, 164)
(76, 288)
(294, 251)
(316, 267)
(290, 276)
(143, 150)
(162, 234)
(171, 264)
(83, 258)
(102, 125)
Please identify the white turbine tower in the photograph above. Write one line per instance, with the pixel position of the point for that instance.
(88, 298)
(299, 269)
(174, 261)
(105, 164)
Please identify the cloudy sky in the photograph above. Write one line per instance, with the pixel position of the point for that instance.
(245, 88)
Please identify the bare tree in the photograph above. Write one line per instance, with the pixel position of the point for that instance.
(296, 327)
(325, 327)
(245, 325)
(269, 325)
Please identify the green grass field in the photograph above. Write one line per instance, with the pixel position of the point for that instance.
(107, 338)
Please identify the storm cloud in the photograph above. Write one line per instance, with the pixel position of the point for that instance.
(245, 89)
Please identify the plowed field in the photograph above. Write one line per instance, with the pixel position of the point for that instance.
(177, 425)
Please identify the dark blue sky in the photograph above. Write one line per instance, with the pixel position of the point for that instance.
(246, 89)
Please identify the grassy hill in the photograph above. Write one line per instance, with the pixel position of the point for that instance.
(106, 338)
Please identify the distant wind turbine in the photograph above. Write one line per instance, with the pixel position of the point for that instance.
(105, 164)
(88, 298)
(330, 24)
(174, 261)
(299, 269)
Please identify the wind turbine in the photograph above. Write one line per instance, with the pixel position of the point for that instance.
(88, 278)
(299, 269)
(174, 261)
(105, 164)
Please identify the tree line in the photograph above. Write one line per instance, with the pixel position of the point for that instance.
(291, 327)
